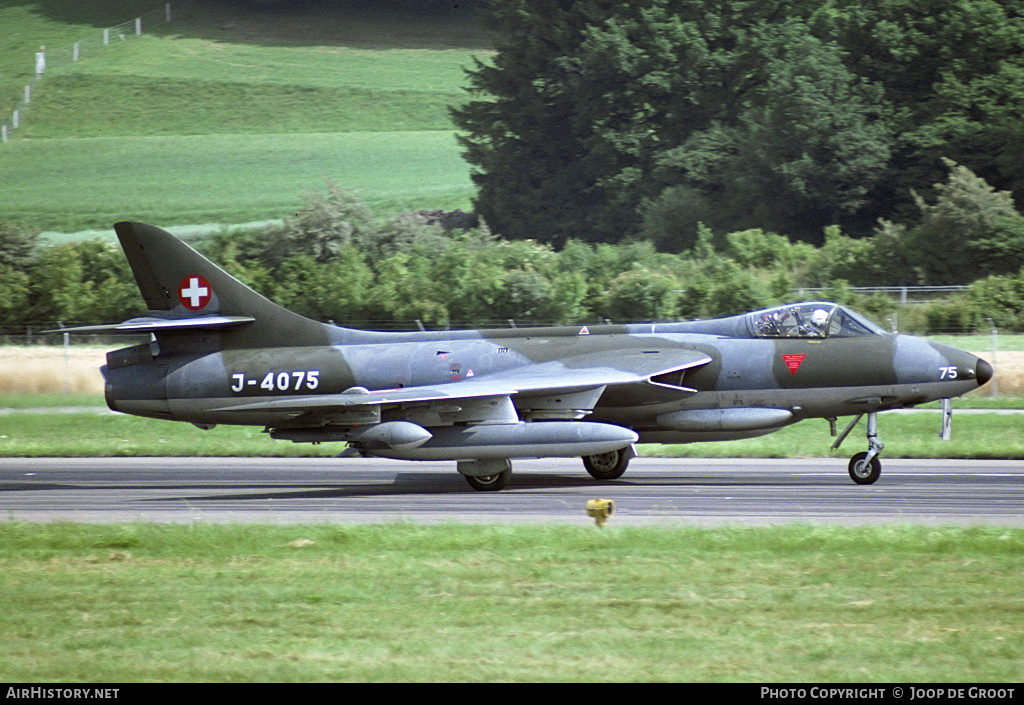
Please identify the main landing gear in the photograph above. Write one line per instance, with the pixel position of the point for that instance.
(494, 474)
(488, 475)
(611, 465)
(490, 483)
(865, 468)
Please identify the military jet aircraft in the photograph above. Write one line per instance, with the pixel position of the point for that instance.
(220, 353)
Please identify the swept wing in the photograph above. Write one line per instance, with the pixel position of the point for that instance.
(583, 378)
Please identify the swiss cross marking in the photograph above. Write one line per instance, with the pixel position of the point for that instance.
(793, 362)
(194, 292)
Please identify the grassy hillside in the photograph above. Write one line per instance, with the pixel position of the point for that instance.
(228, 112)
(225, 178)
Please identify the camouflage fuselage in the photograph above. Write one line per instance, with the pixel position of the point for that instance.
(817, 377)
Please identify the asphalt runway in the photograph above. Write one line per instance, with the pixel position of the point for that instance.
(694, 492)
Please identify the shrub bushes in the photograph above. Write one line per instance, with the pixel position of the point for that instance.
(336, 261)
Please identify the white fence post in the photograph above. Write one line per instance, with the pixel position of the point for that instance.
(75, 56)
(67, 361)
(995, 354)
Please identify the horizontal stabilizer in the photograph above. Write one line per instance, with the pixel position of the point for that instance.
(155, 325)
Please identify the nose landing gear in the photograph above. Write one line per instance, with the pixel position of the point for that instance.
(865, 468)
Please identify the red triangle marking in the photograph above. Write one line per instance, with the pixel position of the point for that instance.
(793, 362)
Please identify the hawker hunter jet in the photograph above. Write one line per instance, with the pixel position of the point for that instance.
(222, 354)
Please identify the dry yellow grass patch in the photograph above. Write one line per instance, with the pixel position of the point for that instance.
(39, 369)
(1009, 373)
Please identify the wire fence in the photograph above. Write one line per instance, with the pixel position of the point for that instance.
(88, 46)
(907, 294)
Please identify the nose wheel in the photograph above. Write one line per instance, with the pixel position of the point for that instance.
(865, 468)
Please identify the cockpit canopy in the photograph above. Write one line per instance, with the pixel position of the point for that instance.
(810, 320)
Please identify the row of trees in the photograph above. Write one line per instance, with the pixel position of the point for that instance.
(600, 121)
(335, 261)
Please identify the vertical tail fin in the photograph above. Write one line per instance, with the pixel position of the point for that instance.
(183, 285)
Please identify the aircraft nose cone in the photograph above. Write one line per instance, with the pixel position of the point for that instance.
(983, 372)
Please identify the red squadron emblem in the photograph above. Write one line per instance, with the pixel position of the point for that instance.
(793, 362)
(194, 292)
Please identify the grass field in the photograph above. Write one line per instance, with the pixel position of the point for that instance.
(195, 179)
(55, 432)
(202, 603)
(226, 117)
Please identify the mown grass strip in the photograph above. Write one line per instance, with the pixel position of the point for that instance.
(323, 65)
(225, 178)
(143, 602)
(41, 434)
(138, 106)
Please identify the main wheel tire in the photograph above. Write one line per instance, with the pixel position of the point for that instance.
(607, 466)
(863, 472)
(490, 483)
